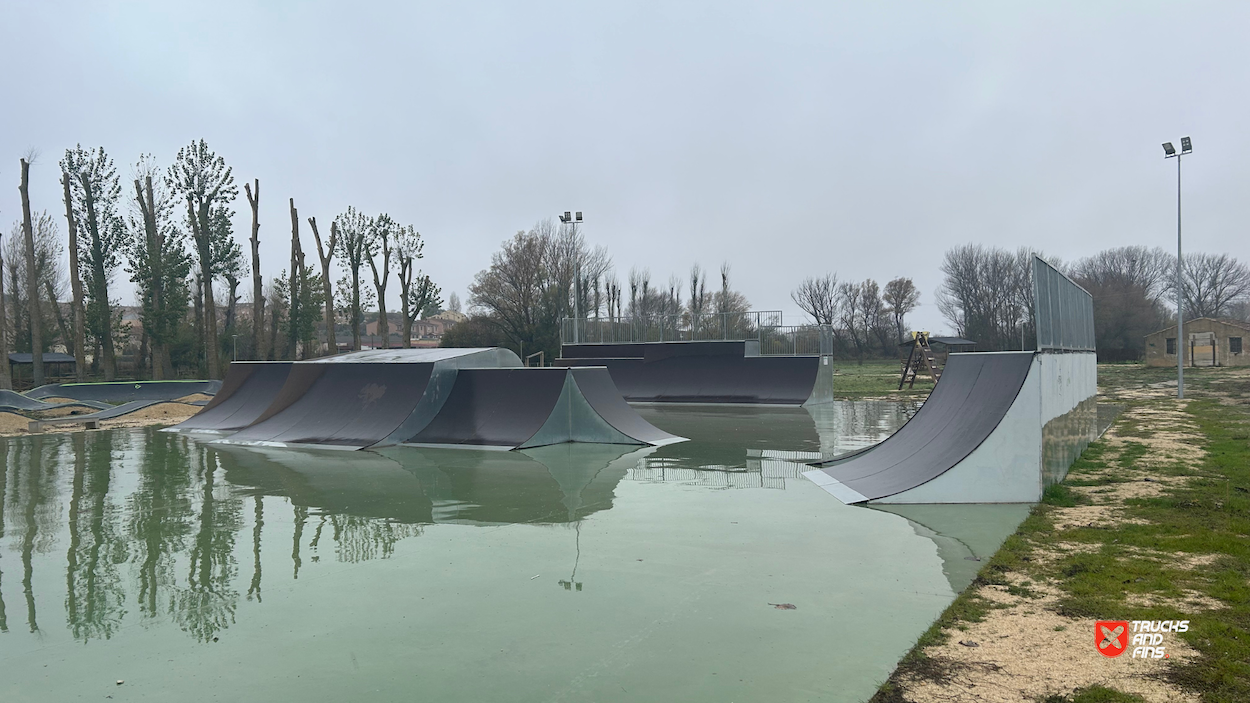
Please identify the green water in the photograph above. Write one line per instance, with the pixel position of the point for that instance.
(568, 573)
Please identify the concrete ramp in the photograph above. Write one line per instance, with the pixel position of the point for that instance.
(246, 393)
(519, 408)
(125, 391)
(987, 434)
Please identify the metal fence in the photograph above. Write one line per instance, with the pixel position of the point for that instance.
(796, 340)
(1063, 311)
(729, 326)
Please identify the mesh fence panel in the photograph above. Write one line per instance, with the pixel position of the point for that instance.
(1063, 311)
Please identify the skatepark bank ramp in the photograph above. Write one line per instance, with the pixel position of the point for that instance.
(444, 397)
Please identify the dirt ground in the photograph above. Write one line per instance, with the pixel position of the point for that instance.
(1020, 645)
(13, 424)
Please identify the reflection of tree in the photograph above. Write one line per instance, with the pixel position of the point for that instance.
(159, 516)
(94, 594)
(301, 516)
(206, 606)
(254, 588)
(35, 498)
(359, 539)
(4, 492)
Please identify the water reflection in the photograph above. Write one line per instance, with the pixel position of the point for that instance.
(154, 528)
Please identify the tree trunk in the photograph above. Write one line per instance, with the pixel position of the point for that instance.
(60, 319)
(258, 291)
(325, 254)
(32, 280)
(203, 239)
(295, 281)
(101, 283)
(356, 316)
(199, 318)
(405, 284)
(156, 263)
(6, 370)
(76, 310)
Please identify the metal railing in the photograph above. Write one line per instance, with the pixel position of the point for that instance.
(762, 327)
(728, 326)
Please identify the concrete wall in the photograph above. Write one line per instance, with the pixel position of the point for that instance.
(1156, 343)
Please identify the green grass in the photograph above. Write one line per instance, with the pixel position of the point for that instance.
(1207, 516)
(874, 378)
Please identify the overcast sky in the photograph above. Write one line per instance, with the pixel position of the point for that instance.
(788, 139)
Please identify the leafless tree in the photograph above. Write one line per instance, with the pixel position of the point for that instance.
(415, 288)
(32, 279)
(258, 291)
(49, 282)
(325, 254)
(817, 296)
(848, 307)
(1128, 285)
(381, 243)
(987, 294)
(453, 302)
(900, 297)
(1212, 283)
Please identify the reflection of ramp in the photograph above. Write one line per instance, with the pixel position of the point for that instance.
(511, 408)
(246, 393)
(974, 394)
(705, 372)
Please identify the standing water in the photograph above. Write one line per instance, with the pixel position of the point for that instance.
(704, 571)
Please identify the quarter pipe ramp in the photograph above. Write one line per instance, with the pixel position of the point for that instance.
(248, 390)
(984, 435)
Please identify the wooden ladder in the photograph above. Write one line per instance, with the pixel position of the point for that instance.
(920, 357)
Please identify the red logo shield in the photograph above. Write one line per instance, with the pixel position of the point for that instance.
(1111, 637)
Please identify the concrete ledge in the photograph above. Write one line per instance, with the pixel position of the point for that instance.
(87, 423)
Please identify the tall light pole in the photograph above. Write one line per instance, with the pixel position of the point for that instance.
(573, 220)
(1169, 152)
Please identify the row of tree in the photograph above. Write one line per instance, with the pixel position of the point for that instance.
(987, 294)
(171, 230)
(548, 274)
(865, 319)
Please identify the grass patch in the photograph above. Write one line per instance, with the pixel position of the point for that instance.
(1193, 539)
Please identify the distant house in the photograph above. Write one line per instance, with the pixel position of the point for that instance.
(1209, 342)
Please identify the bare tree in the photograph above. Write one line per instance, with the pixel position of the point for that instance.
(1128, 285)
(6, 372)
(32, 279)
(258, 290)
(1212, 283)
(202, 177)
(414, 287)
(817, 296)
(324, 255)
(381, 239)
(849, 316)
(900, 297)
(987, 295)
(353, 228)
(453, 302)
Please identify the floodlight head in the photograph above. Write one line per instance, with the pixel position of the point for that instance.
(579, 217)
(1168, 150)
(1186, 145)
(568, 216)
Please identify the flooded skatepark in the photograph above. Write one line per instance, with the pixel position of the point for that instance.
(705, 570)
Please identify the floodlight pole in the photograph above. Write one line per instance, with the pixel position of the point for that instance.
(567, 218)
(1169, 152)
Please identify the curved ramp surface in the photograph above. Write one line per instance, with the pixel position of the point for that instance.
(703, 372)
(517, 408)
(976, 392)
(345, 405)
(246, 393)
(11, 400)
(125, 391)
